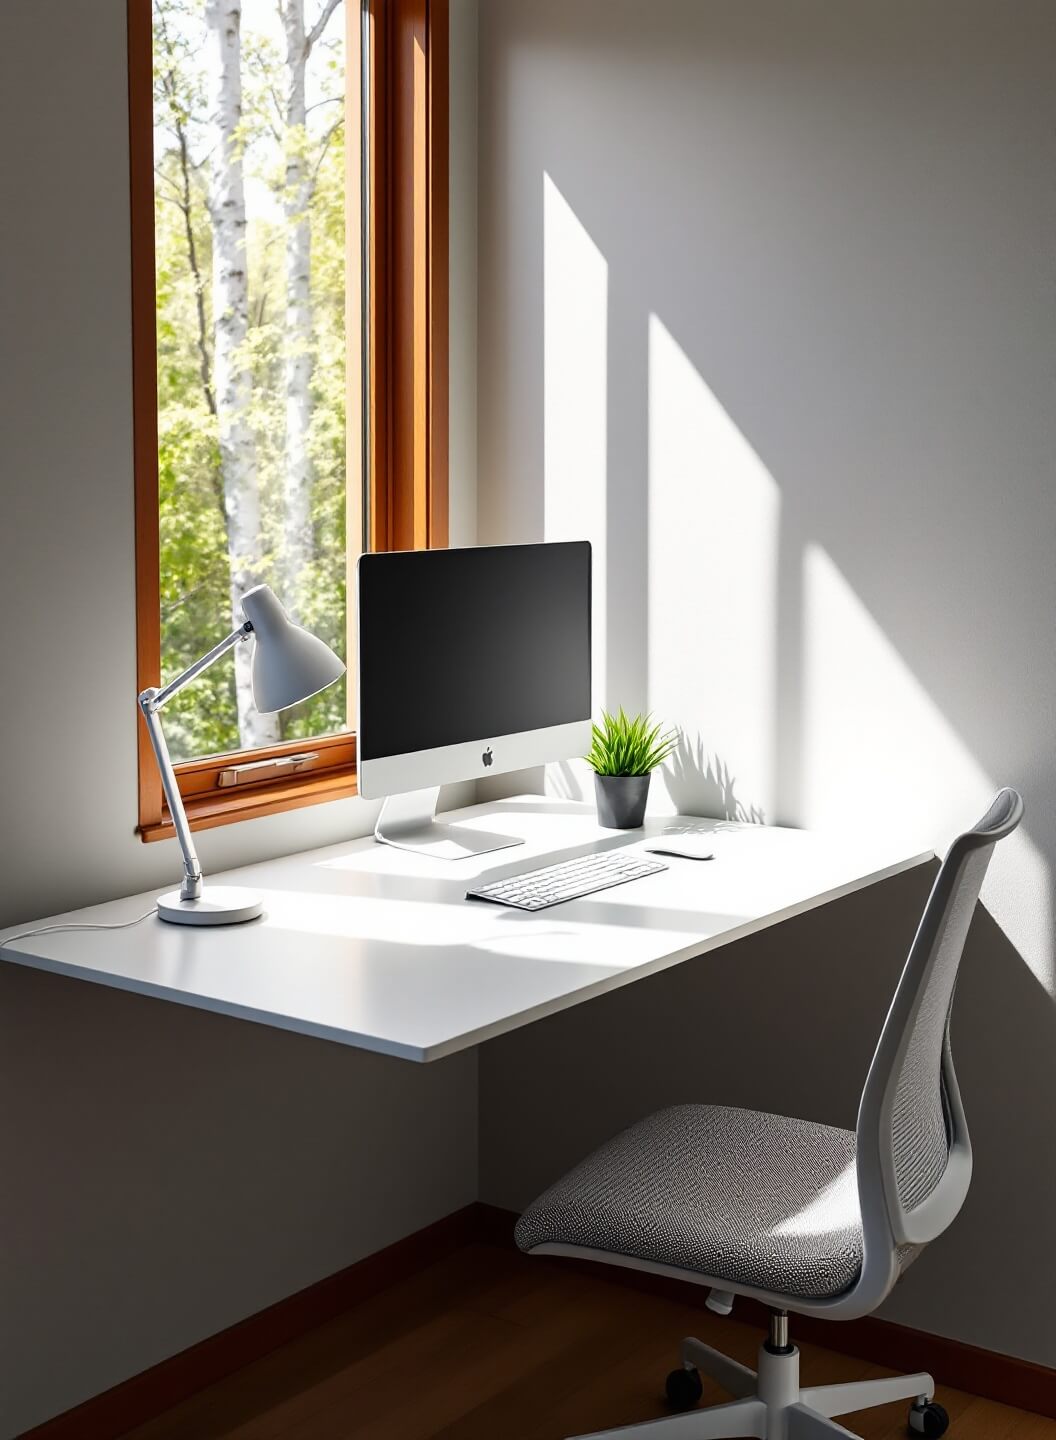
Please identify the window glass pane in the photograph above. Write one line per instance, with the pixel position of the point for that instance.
(250, 189)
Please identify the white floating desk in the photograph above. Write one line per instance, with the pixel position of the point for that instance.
(377, 948)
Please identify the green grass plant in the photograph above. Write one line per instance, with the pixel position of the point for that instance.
(624, 746)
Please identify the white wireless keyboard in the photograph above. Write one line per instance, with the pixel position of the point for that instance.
(566, 880)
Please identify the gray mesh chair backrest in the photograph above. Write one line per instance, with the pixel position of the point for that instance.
(911, 1121)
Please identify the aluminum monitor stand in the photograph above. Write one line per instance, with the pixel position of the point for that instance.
(408, 822)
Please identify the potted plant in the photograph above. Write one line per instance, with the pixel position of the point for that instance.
(623, 755)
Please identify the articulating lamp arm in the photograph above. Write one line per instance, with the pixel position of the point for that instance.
(150, 703)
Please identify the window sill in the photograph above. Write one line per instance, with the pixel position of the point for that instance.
(331, 777)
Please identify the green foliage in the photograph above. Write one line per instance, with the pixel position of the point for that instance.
(197, 607)
(621, 746)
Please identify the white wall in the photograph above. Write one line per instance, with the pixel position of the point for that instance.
(766, 309)
(165, 1172)
(811, 247)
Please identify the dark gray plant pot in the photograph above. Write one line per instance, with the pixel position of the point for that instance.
(621, 800)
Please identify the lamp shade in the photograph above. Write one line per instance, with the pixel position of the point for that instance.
(289, 664)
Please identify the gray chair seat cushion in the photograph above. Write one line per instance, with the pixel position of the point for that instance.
(753, 1199)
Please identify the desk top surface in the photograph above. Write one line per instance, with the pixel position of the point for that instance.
(378, 948)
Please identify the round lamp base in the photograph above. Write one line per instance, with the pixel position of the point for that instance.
(217, 905)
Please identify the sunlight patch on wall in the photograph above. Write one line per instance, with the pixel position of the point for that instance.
(714, 512)
(575, 415)
(878, 751)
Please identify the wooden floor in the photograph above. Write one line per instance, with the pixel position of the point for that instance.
(490, 1345)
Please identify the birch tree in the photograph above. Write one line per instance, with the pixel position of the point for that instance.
(297, 195)
(196, 551)
(232, 378)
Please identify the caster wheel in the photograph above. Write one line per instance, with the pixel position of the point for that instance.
(930, 1419)
(683, 1389)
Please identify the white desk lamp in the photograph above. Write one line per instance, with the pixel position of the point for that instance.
(289, 665)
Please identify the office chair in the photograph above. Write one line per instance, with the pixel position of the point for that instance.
(801, 1216)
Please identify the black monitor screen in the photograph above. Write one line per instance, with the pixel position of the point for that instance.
(459, 645)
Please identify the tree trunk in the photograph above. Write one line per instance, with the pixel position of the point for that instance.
(297, 477)
(232, 381)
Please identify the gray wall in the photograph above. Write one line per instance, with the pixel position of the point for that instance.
(163, 1173)
(166, 1173)
(841, 221)
(766, 309)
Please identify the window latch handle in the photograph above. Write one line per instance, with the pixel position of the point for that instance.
(255, 770)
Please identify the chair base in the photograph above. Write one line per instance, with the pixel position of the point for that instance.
(769, 1403)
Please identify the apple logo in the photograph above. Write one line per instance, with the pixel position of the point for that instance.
(486, 757)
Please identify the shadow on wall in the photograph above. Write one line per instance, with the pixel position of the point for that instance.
(565, 783)
(697, 783)
(701, 784)
(743, 619)
(800, 399)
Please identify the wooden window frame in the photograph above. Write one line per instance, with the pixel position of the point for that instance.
(397, 407)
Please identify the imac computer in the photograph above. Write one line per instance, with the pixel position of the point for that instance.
(471, 662)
